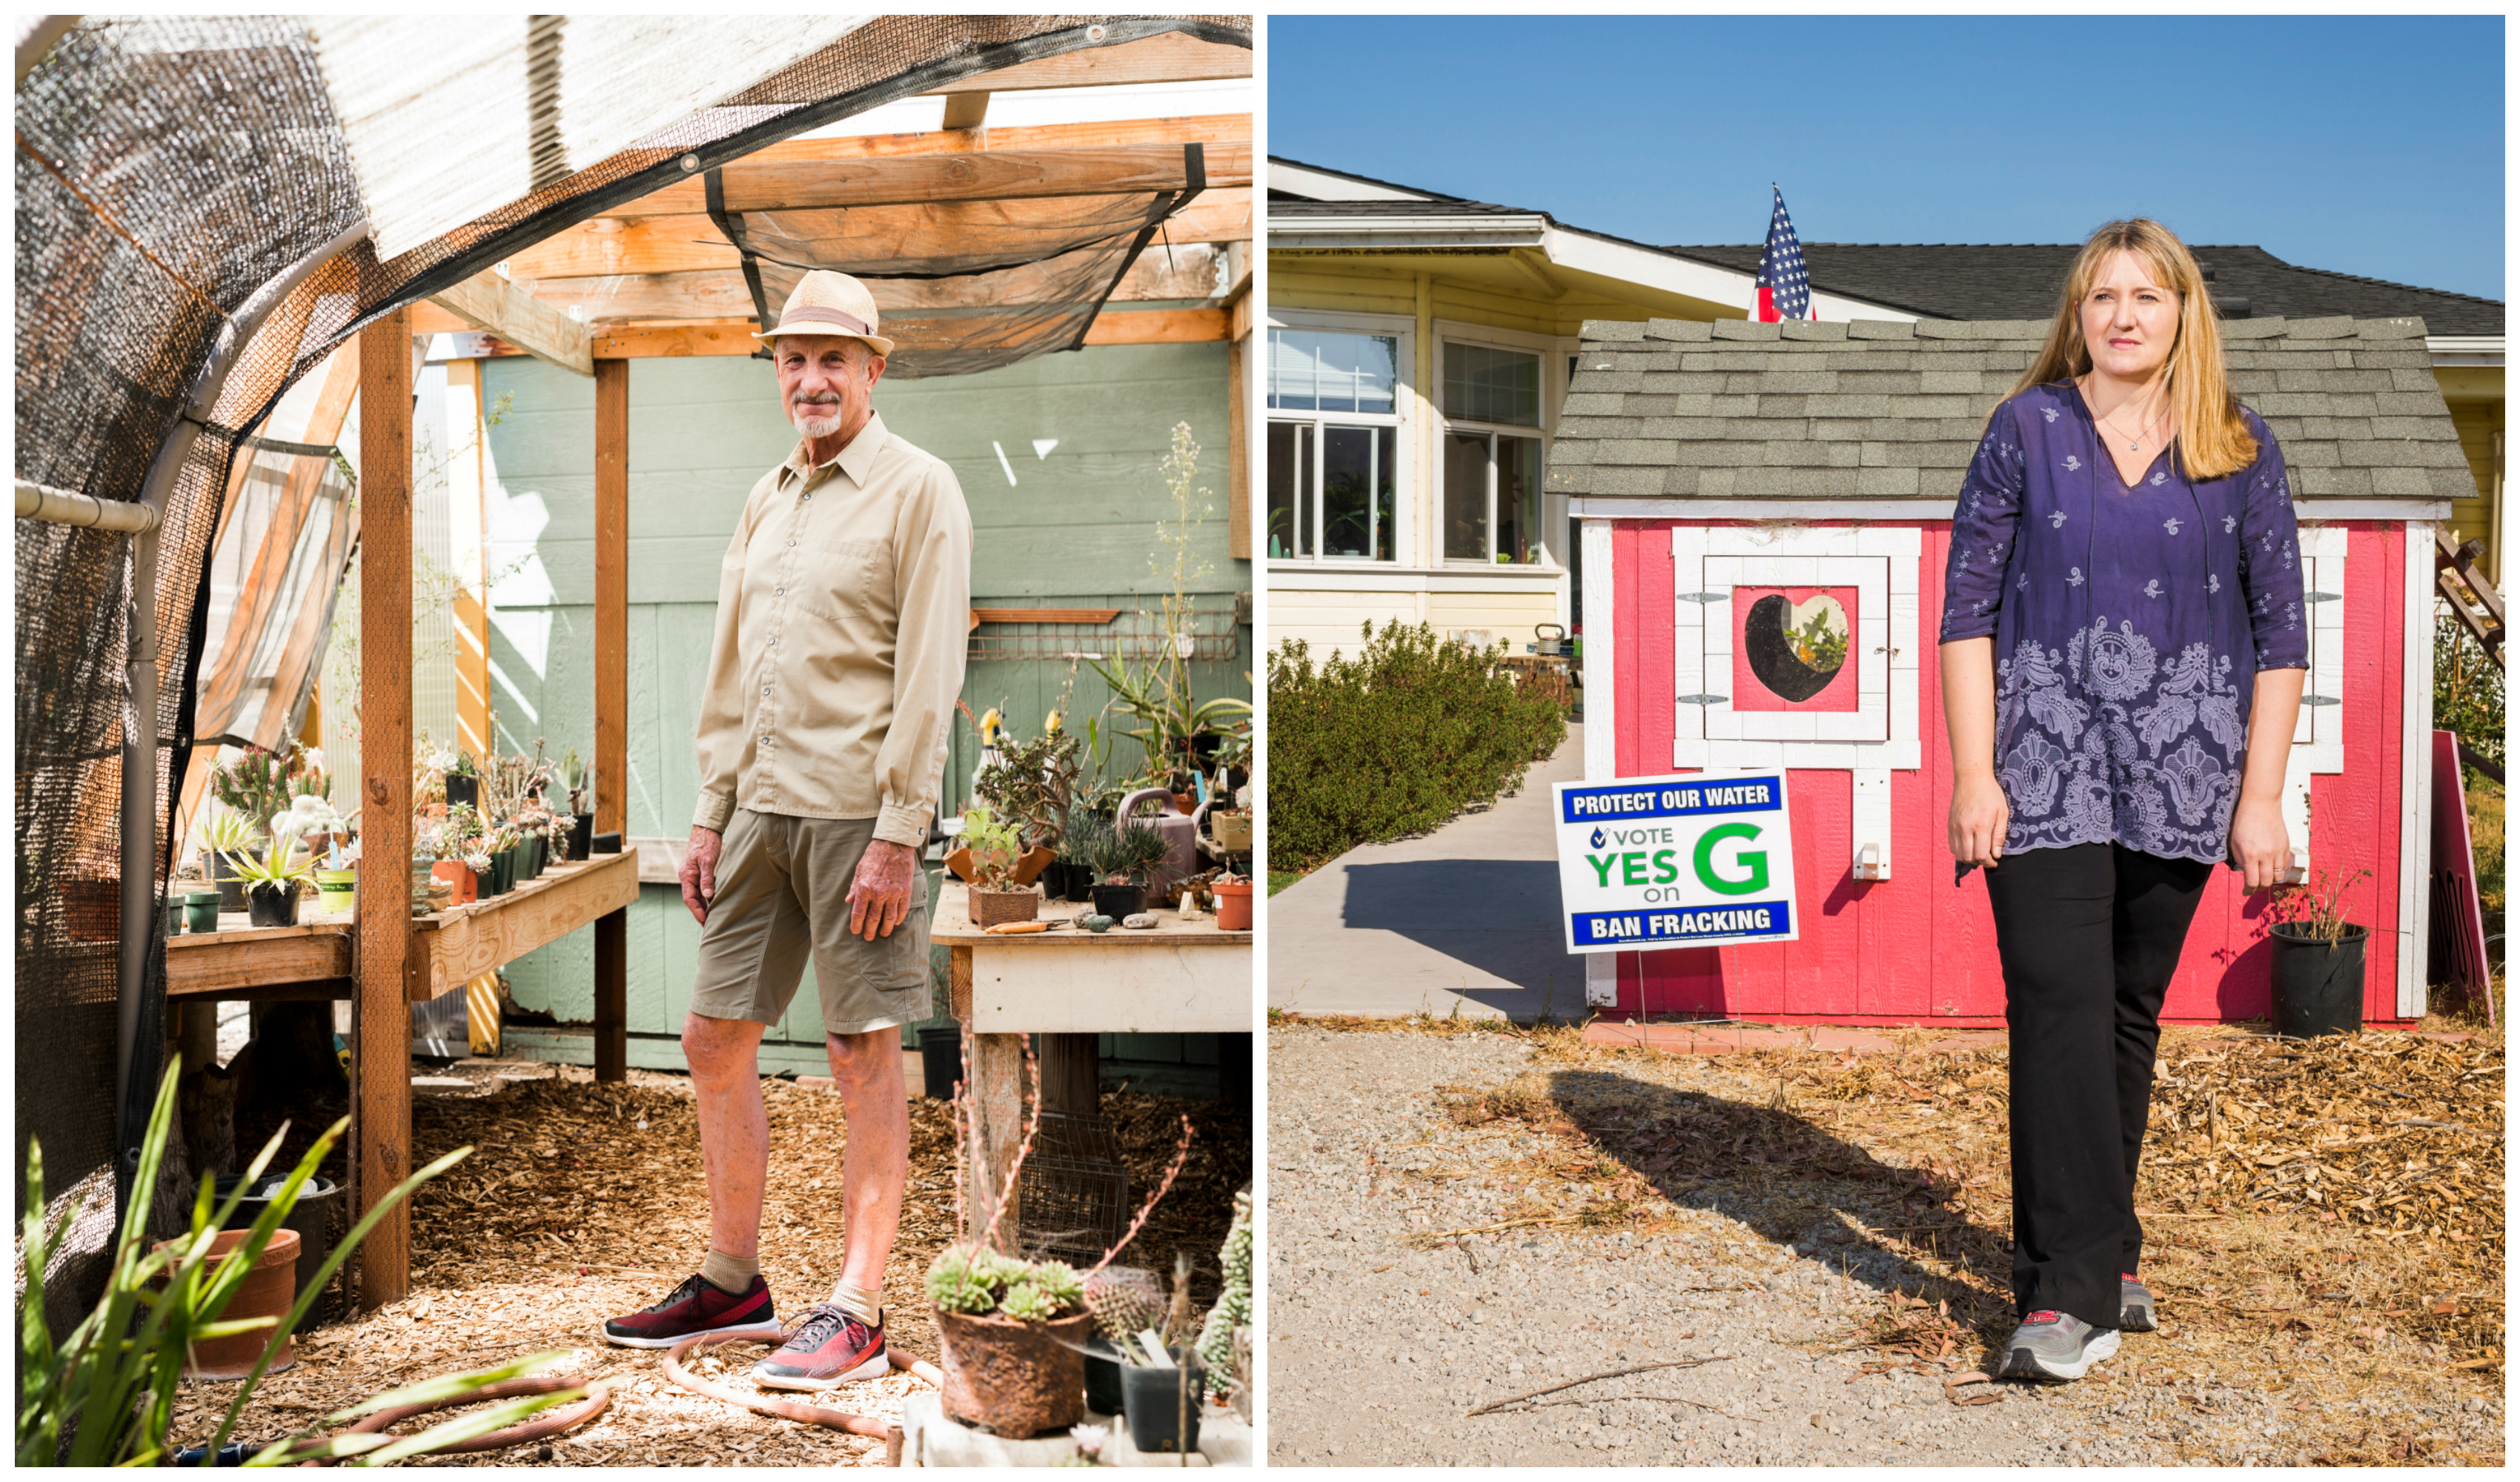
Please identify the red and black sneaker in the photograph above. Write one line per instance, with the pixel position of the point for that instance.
(829, 1349)
(699, 1305)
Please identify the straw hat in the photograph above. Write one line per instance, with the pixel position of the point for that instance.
(829, 303)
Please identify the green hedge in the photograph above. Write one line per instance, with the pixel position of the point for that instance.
(1392, 739)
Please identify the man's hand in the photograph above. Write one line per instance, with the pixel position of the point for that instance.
(879, 895)
(699, 871)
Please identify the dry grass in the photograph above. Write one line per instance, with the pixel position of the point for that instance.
(2324, 1219)
(583, 1201)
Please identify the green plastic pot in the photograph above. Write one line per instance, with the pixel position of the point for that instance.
(503, 872)
(201, 911)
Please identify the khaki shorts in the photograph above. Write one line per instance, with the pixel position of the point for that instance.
(782, 890)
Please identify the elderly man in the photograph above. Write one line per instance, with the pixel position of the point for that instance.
(843, 610)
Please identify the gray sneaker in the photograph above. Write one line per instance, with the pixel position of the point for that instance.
(2134, 1305)
(2055, 1345)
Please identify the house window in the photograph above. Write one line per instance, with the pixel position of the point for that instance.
(1492, 504)
(1333, 445)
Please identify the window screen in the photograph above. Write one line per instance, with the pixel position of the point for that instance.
(1483, 383)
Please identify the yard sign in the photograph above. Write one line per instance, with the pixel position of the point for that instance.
(1692, 861)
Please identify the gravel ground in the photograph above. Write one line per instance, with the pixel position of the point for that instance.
(1380, 1346)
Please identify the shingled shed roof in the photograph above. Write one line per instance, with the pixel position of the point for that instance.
(1878, 409)
(1987, 281)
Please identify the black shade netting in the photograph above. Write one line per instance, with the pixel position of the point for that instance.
(964, 286)
(167, 168)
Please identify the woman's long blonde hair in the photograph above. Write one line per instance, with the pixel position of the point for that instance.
(2212, 440)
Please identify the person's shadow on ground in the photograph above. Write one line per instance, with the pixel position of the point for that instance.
(1794, 1183)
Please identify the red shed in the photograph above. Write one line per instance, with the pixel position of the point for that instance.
(1755, 497)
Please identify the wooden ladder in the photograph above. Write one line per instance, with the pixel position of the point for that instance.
(2477, 606)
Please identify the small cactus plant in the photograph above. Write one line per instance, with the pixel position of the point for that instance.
(1234, 1308)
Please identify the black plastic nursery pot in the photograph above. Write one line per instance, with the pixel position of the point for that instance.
(221, 874)
(581, 838)
(463, 789)
(1153, 1401)
(2318, 984)
(272, 906)
(940, 1060)
(1102, 1377)
(1118, 901)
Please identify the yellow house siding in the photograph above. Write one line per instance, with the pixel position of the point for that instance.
(1508, 617)
(2480, 433)
(1302, 284)
(1330, 622)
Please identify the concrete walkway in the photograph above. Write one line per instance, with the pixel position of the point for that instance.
(1463, 919)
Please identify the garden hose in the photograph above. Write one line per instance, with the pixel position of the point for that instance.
(790, 1410)
(549, 1423)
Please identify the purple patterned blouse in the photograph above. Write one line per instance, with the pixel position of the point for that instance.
(2129, 625)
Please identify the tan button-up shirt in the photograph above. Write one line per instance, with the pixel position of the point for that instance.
(843, 610)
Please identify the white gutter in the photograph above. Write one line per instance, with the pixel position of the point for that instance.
(1402, 233)
(2465, 349)
(1566, 246)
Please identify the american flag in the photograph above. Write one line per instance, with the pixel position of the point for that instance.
(1785, 289)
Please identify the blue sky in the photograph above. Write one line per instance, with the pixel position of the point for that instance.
(2368, 146)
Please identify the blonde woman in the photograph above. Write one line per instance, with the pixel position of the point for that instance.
(2123, 647)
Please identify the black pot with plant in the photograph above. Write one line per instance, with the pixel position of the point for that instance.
(1161, 1402)
(2317, 970)
(1120, 855)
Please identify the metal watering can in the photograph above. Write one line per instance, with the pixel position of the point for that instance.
(1180, 839)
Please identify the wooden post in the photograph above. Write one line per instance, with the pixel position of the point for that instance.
(996, 1092)
(382, 1146)
(612, 698)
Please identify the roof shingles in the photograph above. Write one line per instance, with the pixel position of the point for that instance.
(1739, 410)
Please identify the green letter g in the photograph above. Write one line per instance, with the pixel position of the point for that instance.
(1756, 859)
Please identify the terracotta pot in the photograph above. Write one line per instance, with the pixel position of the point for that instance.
(268, 1291)
(990, 907)
(460, 874)
(1010, 1379)
(958, 861)
(1035, 860)
(1232, 906)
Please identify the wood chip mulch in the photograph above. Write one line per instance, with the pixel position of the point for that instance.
(582, 1201)
(2323, 1218)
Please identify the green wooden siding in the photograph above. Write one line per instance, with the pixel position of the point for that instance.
(1077, 527)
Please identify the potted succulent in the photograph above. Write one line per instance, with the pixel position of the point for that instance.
(1030, 785)
(463, 783)
(2318, 967)
(224, 831)
(1070, 877)
(991, 848)
(1010, 1334)
(273, 883)
(1122, 859)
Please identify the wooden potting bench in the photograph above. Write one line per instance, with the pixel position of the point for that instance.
(1181, 977)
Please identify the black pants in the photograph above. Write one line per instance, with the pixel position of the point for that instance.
(2089, 936)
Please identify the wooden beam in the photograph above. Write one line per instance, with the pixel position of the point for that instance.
(1210, 129)
(1188, 271)
(611, 697)
(604, 248)
(468, 941)
(761, 183)
(967, 109)
(1156, 59)
(381, 1155)
(1160, 327)
(734, 337)
(488, 301)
